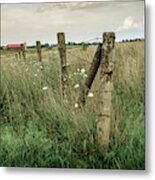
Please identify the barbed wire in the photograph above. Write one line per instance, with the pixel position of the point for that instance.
(93, 39)
(78, 57)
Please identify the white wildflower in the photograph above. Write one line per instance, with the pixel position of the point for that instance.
(26, 69)
(78, 70)
(41, 67)
(96, 120)
(35, 75)
(83, 70)
(76, 105)
(90, 94)
(45, 88)
(76, 86)
(75, 73)
(64, 79)
(69, 76)
(85, 75)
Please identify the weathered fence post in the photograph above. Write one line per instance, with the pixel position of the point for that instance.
(23, 50)
(19, 53)
(91, 76)
(105, 91)
(16, 56)
(38, 47)
(63, 62)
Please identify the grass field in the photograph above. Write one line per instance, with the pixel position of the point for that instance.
(39, 130)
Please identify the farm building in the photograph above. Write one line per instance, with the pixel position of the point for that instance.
(14, 46)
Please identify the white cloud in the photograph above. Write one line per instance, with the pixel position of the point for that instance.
(129, 23)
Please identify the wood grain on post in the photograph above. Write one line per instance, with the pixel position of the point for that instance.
(105, 91)
(63, 63)
(23, 50)
(91, 76)
(38, 47)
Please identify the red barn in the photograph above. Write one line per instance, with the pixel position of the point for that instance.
(14, 46)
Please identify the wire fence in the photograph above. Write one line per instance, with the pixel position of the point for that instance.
(78, 57)
(95, 40)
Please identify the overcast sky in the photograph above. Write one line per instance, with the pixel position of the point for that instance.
(81, 21)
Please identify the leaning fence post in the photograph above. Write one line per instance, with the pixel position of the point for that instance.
(63, 63)
(38, 47)
(105, 91)
(23, 50)
(91, 76)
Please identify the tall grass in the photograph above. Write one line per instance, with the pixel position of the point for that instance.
(39, 130)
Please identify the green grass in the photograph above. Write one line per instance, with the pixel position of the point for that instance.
(39, 130)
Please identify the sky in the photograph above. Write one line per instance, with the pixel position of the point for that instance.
(81, 21)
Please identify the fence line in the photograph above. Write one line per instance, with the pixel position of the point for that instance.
(103, 59)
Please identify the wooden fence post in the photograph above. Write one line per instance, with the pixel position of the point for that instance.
(16, 56)
(38, 47)
(23, 50)
(63, 63)
(105, 91)
(19, 53)
(91, 76)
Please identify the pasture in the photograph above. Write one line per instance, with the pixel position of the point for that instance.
(39, 130)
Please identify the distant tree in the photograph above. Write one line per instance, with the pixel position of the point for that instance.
(69, 43)
(46, 45)
(84, 46)
(72, 43)
(50, 47)
(31, 47)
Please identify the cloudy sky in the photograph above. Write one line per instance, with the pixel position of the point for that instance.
(81, 21)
